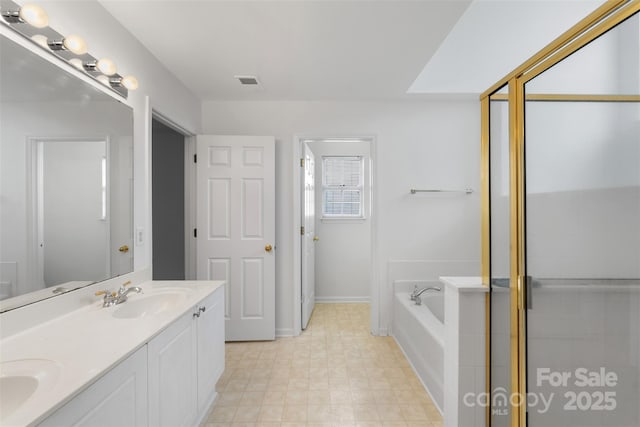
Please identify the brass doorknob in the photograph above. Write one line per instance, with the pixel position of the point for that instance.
(316, 238)
(268, 248)
(124, 249)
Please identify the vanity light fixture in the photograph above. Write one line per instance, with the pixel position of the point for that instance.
(130, 82)
(41, 40)
(34, 15)
(76, 62)
(72, 43)
(31, 14)
(71, 49)
(103, 79)
(104, 66)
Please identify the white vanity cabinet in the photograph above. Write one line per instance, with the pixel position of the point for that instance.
(119, 398)
(172, 374)
(210, 353)
(169, 381)
(185, 362)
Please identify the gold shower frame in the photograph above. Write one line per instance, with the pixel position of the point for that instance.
(607, 16)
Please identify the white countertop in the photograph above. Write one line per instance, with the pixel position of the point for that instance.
(86, 343)
(465, 284)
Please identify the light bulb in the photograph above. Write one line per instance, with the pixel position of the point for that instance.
(129, 82)
(75, 44)
(103, 79)
(76, 62)
(106, 66)
(40, 39)
(34, 15)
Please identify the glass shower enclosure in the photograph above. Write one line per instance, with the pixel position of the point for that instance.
(561, 155)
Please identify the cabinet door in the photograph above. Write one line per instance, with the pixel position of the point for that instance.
(210, 347)
(119, 398)
(172, 375)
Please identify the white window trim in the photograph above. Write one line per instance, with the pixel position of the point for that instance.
(343, 219)
(360, 187)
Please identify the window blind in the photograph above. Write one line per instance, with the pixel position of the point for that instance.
(342, 179)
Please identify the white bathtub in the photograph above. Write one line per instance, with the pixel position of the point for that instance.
(419, 331)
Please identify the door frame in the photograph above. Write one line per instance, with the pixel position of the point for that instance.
(302, 176)
(35, 219)
(190, 191)
(374, 290)
(601, 20)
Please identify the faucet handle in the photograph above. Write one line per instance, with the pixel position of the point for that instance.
(105, 293)
(414, 293)
(123, 287)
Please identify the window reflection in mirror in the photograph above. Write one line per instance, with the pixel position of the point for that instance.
(66, 180)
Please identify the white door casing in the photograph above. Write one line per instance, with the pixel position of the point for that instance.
(236, 229)
(309, 238)
(120, 199)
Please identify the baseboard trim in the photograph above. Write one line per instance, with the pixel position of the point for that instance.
(205, 415)
(284, 332)
(342, 300)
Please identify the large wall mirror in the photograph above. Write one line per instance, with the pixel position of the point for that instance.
(66, 180)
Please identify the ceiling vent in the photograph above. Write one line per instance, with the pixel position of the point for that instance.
(248, 80)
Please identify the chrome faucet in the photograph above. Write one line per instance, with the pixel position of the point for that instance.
(416, 294)
(113, 298)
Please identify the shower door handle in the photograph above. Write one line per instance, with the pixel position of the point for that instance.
(528, 283)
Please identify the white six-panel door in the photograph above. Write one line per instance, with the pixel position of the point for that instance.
(236, 229)
(309, 237)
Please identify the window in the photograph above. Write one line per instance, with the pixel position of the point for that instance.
(103, 164)
(342, 187)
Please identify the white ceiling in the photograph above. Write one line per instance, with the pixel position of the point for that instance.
(344, 49)
(299, 50)
(494, 37)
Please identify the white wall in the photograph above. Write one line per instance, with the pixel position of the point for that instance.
(417, 145)
(343, 253)
(525, 27)
(159, 90)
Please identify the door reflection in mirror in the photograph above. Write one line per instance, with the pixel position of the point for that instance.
(73, 227)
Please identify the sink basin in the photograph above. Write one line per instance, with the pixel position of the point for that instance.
(148, 305)
(21, 379)
(15, 391)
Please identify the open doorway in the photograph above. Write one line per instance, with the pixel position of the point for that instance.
(336, 222)
(171, 168)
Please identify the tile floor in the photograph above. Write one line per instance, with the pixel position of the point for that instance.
(334, 375)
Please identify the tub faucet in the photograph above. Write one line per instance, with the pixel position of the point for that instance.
(417, 298)
(415, 291)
